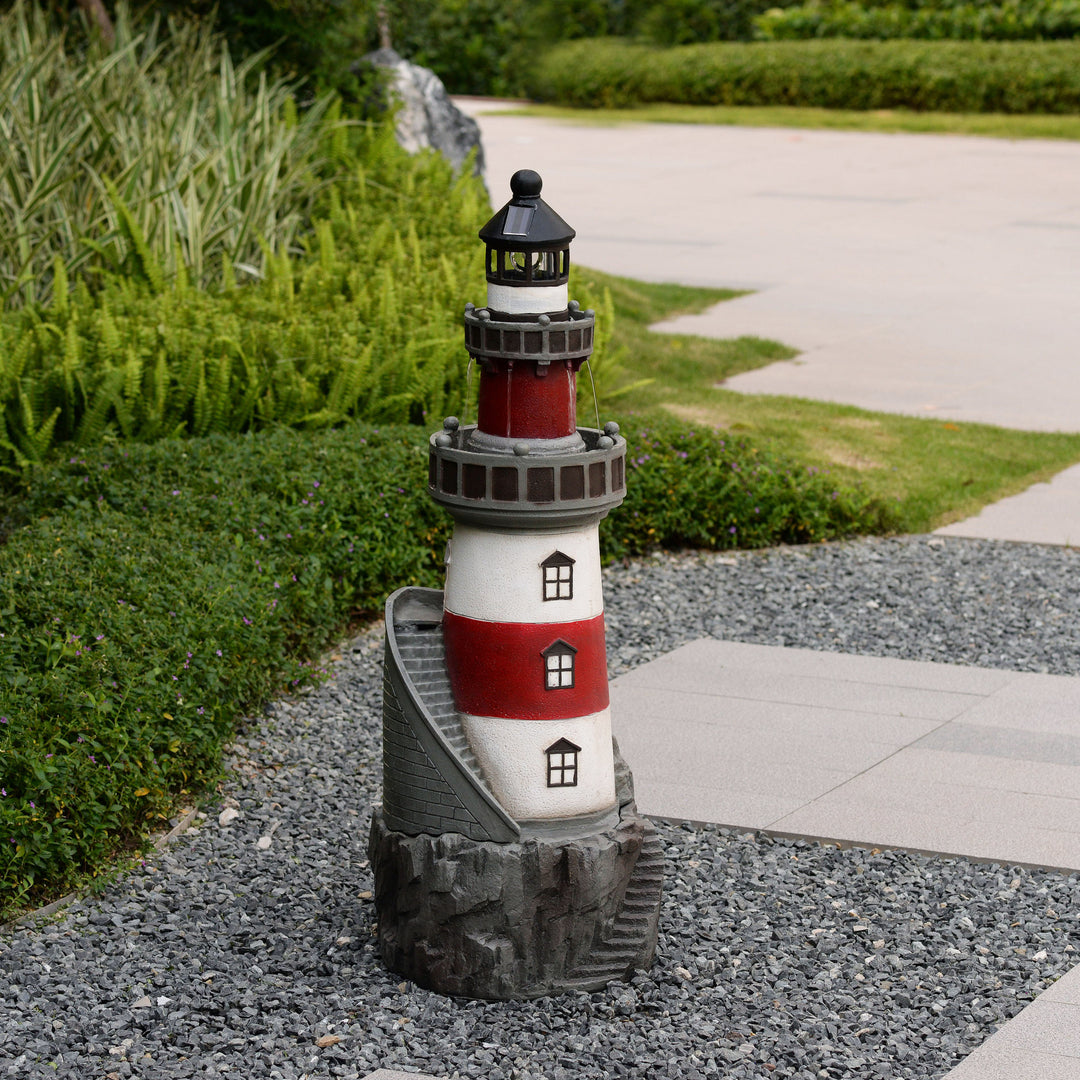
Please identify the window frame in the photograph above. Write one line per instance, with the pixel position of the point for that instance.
(552, 587)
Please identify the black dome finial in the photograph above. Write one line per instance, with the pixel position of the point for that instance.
(526, 184)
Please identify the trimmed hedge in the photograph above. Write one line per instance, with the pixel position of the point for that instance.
(946, 76)
(1013, 20)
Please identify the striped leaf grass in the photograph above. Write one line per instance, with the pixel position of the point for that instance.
(158, 155)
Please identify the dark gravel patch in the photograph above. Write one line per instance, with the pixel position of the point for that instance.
(227, 957)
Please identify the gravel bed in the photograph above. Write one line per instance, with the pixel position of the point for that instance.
(246, 949)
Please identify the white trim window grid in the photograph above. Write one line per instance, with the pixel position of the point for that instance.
(562, 764)
(559, 666)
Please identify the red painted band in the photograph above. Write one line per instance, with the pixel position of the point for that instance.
(499, 669)
(516, 402)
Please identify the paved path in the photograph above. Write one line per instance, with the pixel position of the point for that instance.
(924, 274)
(929, 757)
(929, 275)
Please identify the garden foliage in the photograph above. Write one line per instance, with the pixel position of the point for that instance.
(155, 592)
(949, 76)
(366, 323)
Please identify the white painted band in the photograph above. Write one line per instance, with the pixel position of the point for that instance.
(512, 755)
(498, 577)
(527, 299)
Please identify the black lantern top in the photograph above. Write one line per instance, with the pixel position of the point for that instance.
(527, 242)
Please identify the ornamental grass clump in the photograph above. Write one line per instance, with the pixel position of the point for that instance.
(154, 157)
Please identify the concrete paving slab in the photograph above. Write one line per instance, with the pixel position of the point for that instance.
(822, 744)
(911, 270)
(766, 718)
(843, 667)
(924, 274)
(1019, 715)
(1067, 988)
(1044, 514)
(914, 764)
(990, 1063)
(810, 690)
(742, 809)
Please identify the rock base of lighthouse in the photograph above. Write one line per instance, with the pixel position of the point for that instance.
(518, 920)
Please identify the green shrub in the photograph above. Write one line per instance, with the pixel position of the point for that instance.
(1008, 77)
(1041, 20)
(709, 489)
(155, 592)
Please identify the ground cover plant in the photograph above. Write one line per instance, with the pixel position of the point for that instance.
(950, 76)
(153, 592)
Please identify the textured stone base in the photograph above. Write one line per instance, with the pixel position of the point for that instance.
(519, 920)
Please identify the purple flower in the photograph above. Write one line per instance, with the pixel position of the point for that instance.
(176, 491)
(732, 529)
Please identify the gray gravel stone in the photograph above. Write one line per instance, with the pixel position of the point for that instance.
(776, 958)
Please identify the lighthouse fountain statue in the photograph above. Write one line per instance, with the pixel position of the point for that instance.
(510, 859)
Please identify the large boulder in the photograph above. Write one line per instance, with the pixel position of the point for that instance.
(426, 117)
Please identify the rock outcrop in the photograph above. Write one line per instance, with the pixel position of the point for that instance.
(426, 117)
(527, 919)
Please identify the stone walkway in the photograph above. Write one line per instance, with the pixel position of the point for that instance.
(924, 274)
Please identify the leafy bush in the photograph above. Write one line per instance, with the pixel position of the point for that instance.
(155, 592)
(1041, 20)
(157, 155)
(1009, 77)
(366, 325)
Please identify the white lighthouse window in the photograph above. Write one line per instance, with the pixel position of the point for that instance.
(559, 666)
(558, 577)
(560, 672)
(562, 764)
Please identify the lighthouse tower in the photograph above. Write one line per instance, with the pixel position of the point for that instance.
(524, 612)
(509, 856)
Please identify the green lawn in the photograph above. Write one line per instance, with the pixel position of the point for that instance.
(997, 125)
(935, 471)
